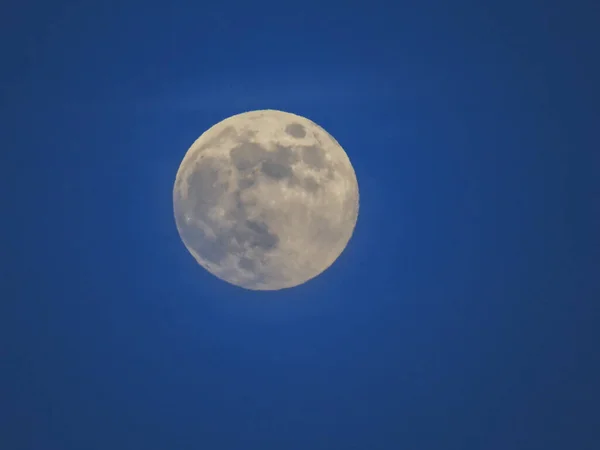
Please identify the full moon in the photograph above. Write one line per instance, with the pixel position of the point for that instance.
(265, 200)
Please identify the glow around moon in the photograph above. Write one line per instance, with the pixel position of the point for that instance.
(265, 200)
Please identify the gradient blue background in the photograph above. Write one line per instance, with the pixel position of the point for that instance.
(464, 312)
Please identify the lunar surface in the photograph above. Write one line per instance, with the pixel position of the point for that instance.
(265, 200)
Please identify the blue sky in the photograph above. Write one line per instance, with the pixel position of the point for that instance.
(463, 313)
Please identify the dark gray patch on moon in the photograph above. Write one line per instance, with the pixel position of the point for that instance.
(275, 170)
(311, 185)
(284, 155)
(247, 264)
(204, 187)
(313, 156)
(260, 235)
(308, 183)
(247, 182)
(239, 212)
(295, 130)
(247, 155)
(277, 164)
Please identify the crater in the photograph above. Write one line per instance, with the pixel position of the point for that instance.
(295, 130)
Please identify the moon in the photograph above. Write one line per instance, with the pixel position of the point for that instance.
(266, 200)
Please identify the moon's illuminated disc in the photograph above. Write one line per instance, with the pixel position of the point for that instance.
(265, 200)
